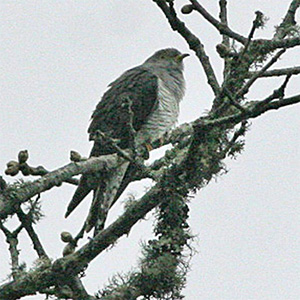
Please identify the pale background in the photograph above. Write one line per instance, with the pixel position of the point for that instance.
(57, 58)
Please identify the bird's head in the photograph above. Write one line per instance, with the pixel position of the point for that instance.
(168, 57)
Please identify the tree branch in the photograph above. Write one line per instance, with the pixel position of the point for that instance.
(131, 157)
(140, 208)
(223, 18)
(12, 240)
(270, 45)
(28, 284)
(288, 20)
(26, 221)
(244, 90)
(79, 292)
(13, 168)
(258, 21)
(13, 196)
(220, 26)
(225, 38)
(277, 72)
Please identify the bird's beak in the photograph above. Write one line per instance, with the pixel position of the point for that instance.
(180, 57)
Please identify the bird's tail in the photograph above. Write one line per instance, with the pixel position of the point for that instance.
(104, 197)
(81, 192)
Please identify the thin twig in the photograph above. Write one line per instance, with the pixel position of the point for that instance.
(278, 93)
(127, 104)
(225, 38)
(255, 25)
(282, 103)
(244, 90)
(126, 155)
(221, 27)
(80, 234)
(12, 240)
(236, 135)
(223, 18)
(27, 224)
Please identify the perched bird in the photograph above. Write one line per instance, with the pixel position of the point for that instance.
(144, 102)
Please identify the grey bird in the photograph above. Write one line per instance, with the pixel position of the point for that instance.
(153, 90)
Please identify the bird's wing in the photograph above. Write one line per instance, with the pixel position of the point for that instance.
(140, 86)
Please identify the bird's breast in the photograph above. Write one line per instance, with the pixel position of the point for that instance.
(164, 116)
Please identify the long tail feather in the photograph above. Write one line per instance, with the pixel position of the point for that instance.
(104, 197)
(128, 178)
(81, 192)
(87, 183)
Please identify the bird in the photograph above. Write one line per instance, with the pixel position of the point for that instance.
(141, 105)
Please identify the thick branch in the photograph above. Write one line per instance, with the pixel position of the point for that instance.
(12, 197)
(74, 263)
(79, 292)
(290, 15)
(29, 284)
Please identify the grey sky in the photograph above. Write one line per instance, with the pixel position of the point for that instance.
(57, 58)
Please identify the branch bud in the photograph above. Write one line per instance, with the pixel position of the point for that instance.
(12, 168)
(260, 20)
(187, 9)
(23, 156)
(66, 237)
(75, 156)
(223, 50)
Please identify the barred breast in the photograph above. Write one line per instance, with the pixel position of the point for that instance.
(164, 117)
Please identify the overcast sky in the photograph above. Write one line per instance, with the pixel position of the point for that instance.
(57, 58)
